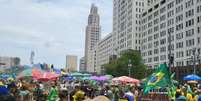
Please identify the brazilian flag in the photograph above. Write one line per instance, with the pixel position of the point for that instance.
(159, 79)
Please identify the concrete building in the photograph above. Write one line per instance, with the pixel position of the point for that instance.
(177, 20)
(7, 62)
(92, 37)
(82, 64)
(71, 63)
(104, 52)
(126, 24)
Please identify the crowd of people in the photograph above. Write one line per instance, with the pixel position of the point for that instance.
(62, 90)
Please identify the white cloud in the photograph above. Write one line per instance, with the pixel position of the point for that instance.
(52, 28)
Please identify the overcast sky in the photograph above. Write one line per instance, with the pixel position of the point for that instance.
(51, 28)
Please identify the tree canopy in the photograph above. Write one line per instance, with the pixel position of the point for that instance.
(119, 66)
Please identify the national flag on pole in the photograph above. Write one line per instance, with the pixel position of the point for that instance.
(160, 78)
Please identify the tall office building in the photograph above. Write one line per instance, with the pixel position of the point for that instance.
(82, 64)
(126, 24)
(7, 62)
(92, 37)
(171, 25)
(71, 63)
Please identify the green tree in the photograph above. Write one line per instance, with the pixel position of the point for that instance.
(119, 67)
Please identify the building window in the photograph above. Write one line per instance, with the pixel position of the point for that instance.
(163, 49)
(179, 36)
(189, 13)
(179, 54)
(163, 25)
(178, 1)
(179, 45)
(171, 30)
(150, 17)
(170, 13)
(189, 3)
(189, 32)
(156, 43)
(198, 19)
(156, 21)
(156, 28)
(162, 10)
(150, 38)
(163, 57)
(188, 52)
(199, 41)
(198, 8)
(179, 27)
(156, 59)
(190, 22)
(149, 52)
(179, 18)
(155, 51)
(162, 33)
(170, 5)
(170, 22)
(162, 18)
(190, 42)
(198, 29)
(149, 59)
(162, 41)
(179, 9)
(156, 14)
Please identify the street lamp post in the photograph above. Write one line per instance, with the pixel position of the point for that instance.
(129, 67)
(195, 60)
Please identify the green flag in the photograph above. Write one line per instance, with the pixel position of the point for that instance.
(160, 78)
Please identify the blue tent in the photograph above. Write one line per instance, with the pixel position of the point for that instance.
(192, 77)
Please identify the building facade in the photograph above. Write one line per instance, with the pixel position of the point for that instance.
(7, 62)
(82, 64)
(171, 25)
(104, 52)
(71, 63)
(92, 37)
(126, 24)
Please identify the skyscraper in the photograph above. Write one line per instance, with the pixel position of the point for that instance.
(92, 36)
(126, 24)
(71, 63)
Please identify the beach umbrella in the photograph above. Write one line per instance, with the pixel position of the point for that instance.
(25, 73)
(102, 78)
(86, 75)
(93, 78)
(126, 79)
(76, 74)
(85, 78)
(69, 78)
(192, 77)
(47, 76)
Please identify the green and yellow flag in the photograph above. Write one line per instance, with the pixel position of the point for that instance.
(160, 78)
